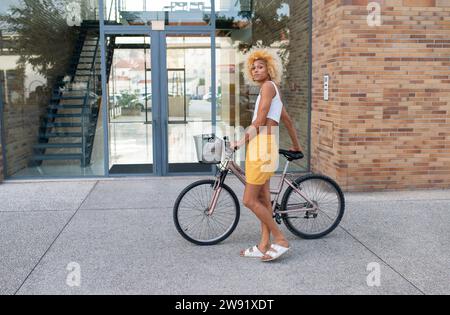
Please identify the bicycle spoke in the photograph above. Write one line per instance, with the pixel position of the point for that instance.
(192, 224)
(208, 222)
(189, 202)
(224, 215)
(190, 209)
(325, 197)
(219, 223)
(197, 200)
(193, 217)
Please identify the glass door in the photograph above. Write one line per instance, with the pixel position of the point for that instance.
(189, 102)
(159, 97)
(130, 104)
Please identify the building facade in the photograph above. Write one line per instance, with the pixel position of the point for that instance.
(113, 88)
(387, 122)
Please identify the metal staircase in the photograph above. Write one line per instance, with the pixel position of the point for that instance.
(68, 130)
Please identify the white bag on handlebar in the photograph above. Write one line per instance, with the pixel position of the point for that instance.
(209, 149)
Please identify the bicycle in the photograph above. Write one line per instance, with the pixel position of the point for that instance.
(207, 211)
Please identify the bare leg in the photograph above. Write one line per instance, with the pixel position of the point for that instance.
(252, 202)
(264, 197)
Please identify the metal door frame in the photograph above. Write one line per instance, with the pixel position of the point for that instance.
(159, 79)
(164, 91)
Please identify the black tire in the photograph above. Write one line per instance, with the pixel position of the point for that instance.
(334, 222)
(209, 185)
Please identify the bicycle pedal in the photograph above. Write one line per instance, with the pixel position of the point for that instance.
(278, 218)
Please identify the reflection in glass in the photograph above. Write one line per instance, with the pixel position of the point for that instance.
(142, 12)
(189, 97)
(49, 67)
(242, 25)
(130, 106)
(234, 14)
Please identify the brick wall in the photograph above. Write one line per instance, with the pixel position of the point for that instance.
(326, 115)
(387, 123)
(22, 116)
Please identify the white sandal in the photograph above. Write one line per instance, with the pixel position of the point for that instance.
(253, 252)
(275, 251)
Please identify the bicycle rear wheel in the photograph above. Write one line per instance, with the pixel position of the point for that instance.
(324, 193)
(190, 213)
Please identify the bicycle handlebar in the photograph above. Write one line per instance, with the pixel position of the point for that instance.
(228, 144)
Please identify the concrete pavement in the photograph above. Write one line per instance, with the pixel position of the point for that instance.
(121, 234)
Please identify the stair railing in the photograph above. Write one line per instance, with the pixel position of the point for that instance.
(86, 111)
(110, 11)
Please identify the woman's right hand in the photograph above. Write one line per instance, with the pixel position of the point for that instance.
(234, 145)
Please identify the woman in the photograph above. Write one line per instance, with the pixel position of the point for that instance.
(264, 68)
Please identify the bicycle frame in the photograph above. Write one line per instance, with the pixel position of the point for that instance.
(231, 166)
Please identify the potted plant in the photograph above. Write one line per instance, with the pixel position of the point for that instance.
(129, 104)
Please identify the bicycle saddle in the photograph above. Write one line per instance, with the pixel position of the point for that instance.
(291, 155)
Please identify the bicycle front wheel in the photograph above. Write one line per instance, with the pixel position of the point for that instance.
(191, 218)
(324, 194)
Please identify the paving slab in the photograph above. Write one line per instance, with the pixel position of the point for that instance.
(25, 236)
(411, 236)
(438, 194)
(44, 196)
(124, 239)
(140, 252)
(141, 194)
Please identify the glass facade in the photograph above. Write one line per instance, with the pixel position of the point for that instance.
(189, 97)
(69, 113)
(49, 71)
(130, 105)
(143, 12)
(281, 25)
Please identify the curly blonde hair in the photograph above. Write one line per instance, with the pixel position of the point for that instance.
(272, 60)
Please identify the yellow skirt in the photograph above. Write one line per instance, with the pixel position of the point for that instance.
(261, 161)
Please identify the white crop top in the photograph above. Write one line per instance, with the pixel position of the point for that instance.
(275, 107)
